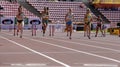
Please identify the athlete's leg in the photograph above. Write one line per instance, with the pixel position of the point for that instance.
(88, 31)
(96, 31)
(53, 30)
(18, 28)
(32, 28)
(67, 29)
(85, 26)
(14, 29)
(101, 30)
(43, 28)
(50, 29)
(21, 30)
(70, 31)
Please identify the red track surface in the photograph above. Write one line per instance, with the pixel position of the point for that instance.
(58, 51)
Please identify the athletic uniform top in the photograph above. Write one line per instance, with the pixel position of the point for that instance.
(69, 16)
(45, 15)
(88, 18)
(20, 16)
(99, 20)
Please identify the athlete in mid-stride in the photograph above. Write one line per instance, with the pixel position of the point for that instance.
(99, 25)
(45, 19)
(87, 23)
(20, 16)
(68, 19)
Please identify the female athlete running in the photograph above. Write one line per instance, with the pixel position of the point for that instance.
(68, 18)
(20, 17)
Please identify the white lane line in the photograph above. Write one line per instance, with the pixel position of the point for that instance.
(16, 53)
(36, 52)
(93, 41)
(83, 44)
(100, 65)
(105, 43)
(97, 42)
(28, 64)
(111, 41)
(74, 49)
(40, 52)
(91, 54)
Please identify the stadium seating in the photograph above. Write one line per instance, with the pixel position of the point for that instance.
(10, 9)
(113, 16)
(57, 10)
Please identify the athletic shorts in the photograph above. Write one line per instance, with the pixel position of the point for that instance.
(45, 21)
(87, 23)
(69, 23)
(19, 21)
(99, 25)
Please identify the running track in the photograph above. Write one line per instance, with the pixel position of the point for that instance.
(58, 51)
